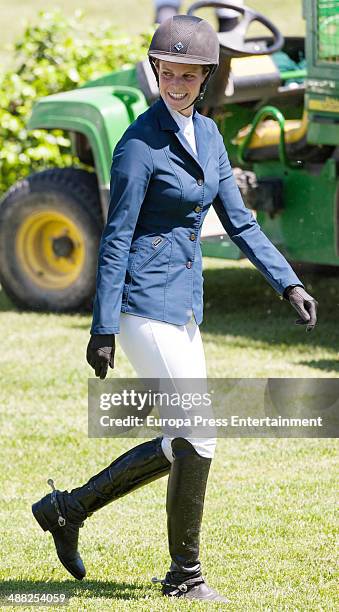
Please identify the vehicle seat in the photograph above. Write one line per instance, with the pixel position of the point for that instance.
(147, 81)
(252, 78)
(265, 140)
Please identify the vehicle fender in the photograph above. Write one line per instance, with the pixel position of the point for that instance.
(102, 114)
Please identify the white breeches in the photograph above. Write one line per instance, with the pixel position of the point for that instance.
(162, 350)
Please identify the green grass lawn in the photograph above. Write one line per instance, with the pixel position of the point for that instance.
(269, 525)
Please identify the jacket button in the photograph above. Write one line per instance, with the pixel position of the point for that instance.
(200, 181)
(192, 237)
(189, 265)
(197, 209)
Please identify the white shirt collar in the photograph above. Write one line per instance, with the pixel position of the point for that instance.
(186, 126)
(180, 119)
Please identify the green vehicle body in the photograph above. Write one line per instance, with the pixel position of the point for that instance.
(279, 119)
(99, 112)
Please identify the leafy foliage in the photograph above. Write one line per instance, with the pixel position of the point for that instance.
(57, 54)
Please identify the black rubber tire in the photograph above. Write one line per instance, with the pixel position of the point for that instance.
(74, 193)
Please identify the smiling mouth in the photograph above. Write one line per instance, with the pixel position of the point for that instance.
(176, 96)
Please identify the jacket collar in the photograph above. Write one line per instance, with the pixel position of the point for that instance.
(168, 124)
(166, 120)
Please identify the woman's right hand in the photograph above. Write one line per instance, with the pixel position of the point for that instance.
(100, 353)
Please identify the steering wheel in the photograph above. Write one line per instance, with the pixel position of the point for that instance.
(234, 41)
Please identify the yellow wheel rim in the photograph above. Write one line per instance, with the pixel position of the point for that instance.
(51, 249)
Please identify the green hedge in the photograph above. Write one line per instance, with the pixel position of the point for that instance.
(56, 54)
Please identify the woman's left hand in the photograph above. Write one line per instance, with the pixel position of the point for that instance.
(305, 305)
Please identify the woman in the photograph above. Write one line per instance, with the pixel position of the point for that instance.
(168, 168)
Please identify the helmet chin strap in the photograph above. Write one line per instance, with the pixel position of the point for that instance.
(198, 98)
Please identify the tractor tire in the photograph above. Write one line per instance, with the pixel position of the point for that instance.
(50, 228)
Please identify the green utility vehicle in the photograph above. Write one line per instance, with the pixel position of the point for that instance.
(275, 101)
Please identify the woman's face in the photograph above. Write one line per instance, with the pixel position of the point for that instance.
(179, 84)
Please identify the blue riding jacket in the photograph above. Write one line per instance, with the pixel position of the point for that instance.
(150, 261)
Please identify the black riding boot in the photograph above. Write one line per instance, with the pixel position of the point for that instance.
(62, 513)
(185, 503)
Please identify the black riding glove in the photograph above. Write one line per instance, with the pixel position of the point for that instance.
(100, 353)
(305, 305)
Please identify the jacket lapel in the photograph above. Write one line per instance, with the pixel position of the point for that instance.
(202, 139)
(186, 146)
(167, 123)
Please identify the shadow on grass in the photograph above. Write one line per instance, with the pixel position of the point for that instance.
(239, 301)
(322, 364)
(7, 306)
(5, 303)
(71, 588)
